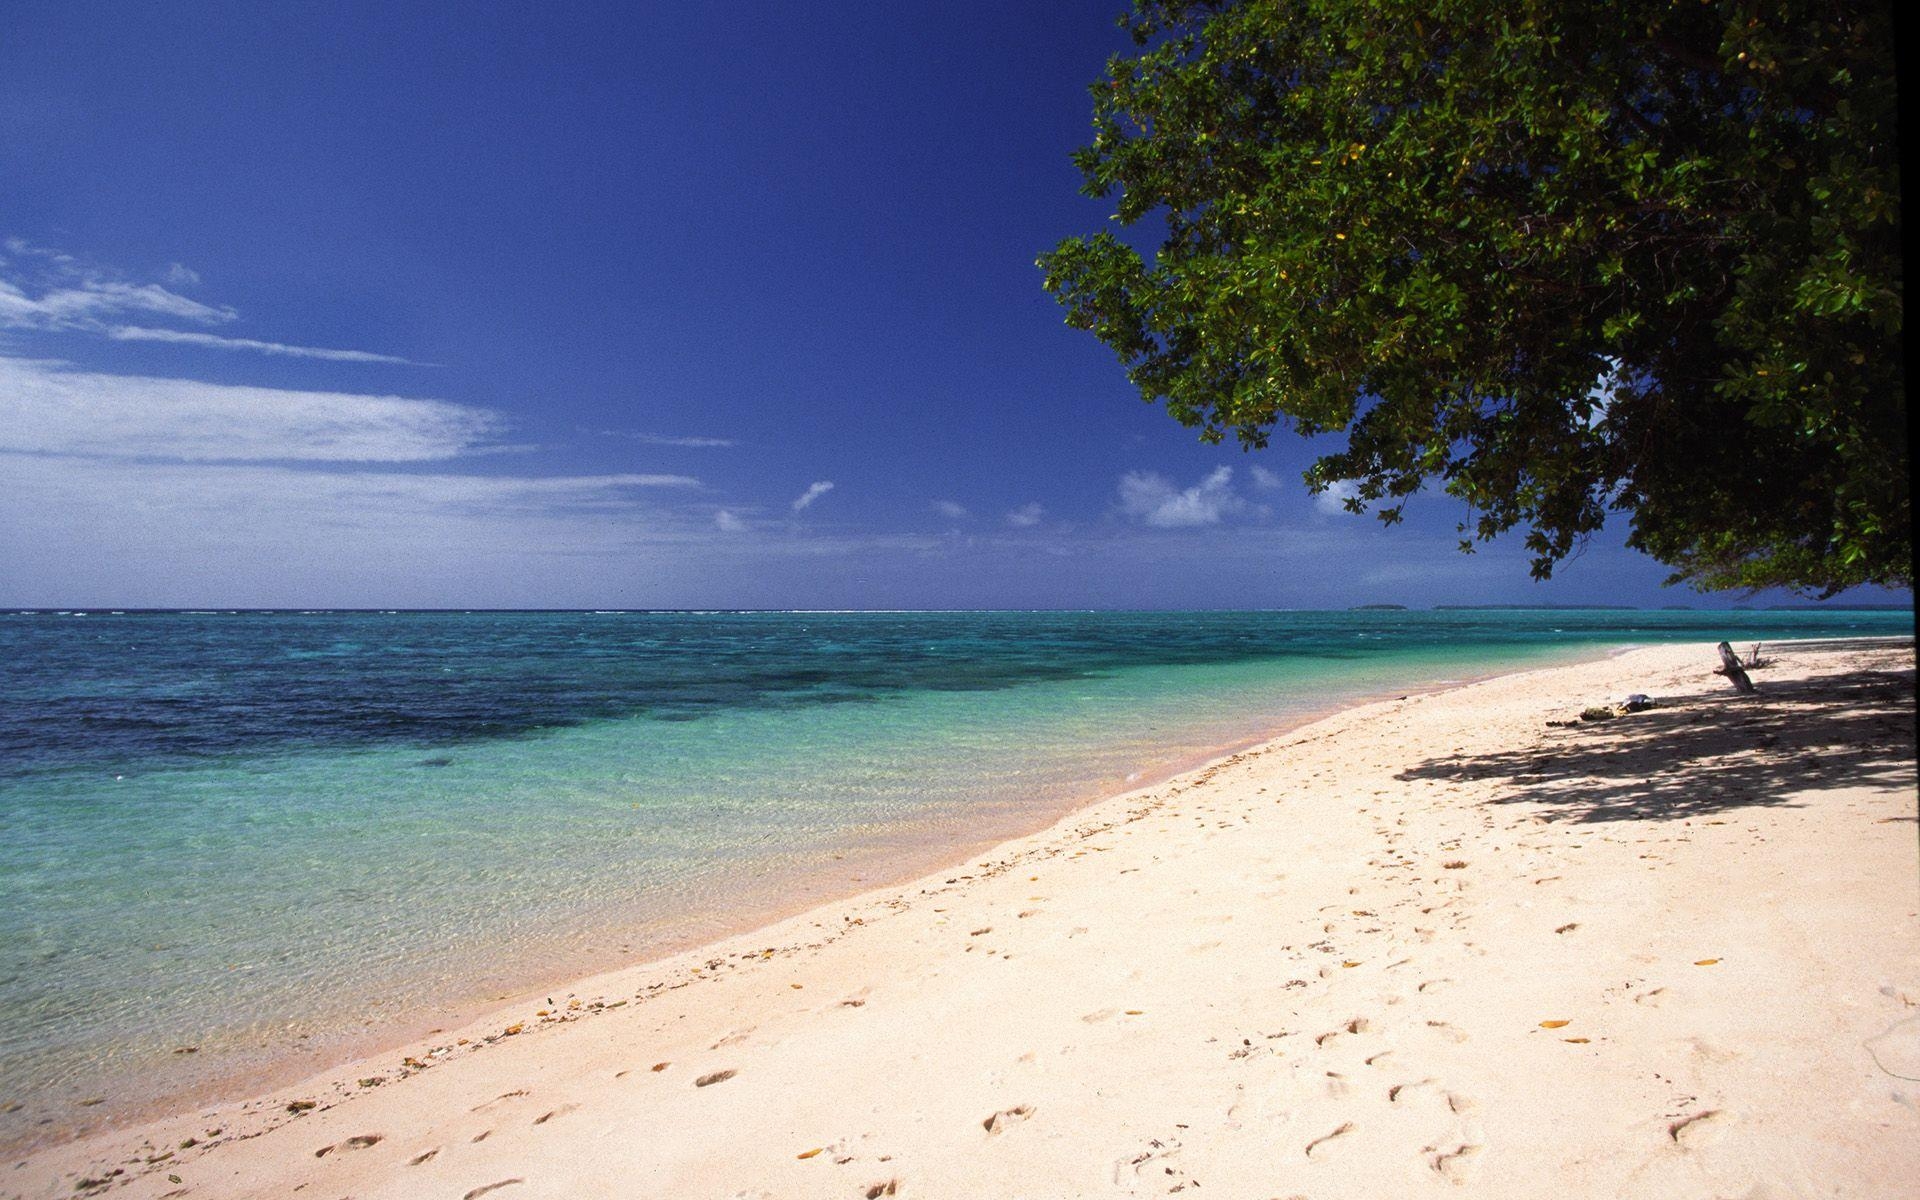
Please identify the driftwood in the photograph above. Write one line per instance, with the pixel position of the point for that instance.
(1731, 668)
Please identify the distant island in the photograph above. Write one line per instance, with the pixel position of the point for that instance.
(1378, 608)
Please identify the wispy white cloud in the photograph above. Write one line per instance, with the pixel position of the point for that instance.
(1026, 516)
(574, 488)
(183, 491)
(52, 291)
(81, 306)
(43, 288)
(1333, 501)
(1606, 385)
(21, 248)
(728, 522)
(667, 438)
(662, 439)
(814, 492)
(950, 510)
(50, 408)
(139, 333)
(1265, 479)
(1154, 500)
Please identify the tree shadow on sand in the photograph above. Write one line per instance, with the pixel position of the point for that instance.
(1715, 751)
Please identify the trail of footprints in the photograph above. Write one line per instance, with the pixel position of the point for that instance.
(1455, 1143)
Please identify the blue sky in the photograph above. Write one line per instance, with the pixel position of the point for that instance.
(692, 305)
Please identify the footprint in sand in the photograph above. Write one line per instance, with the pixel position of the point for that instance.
(1434, 985)
(426, 1156)
(1320, 1147)
(1007, 1116)
(1709, 1052)
(1160, 1153)
(562, 1111)
(1456, 1165)
(1652, 999)
(353, 1143)
(887, 1187)
(478, 1192)
(1896, 1049)
(1691, 1133)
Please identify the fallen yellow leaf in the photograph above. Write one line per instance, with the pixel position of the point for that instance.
(1349, 964)
(1134, 1012)
(810, 1153)
(1706, 962)
(1554, 1024)
(1577, 1041)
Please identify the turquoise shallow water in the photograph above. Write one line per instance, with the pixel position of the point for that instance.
(269, 835)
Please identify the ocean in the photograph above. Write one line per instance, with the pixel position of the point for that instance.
(278, 838)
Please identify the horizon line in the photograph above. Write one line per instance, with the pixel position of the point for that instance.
(253, 610)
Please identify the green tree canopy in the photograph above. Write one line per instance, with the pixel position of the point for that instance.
(1566, 257)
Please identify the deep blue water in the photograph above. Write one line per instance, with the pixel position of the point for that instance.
(136, 691)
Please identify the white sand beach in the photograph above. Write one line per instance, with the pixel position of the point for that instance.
(1455, 944)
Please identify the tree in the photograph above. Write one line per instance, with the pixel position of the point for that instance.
(1565, 257)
